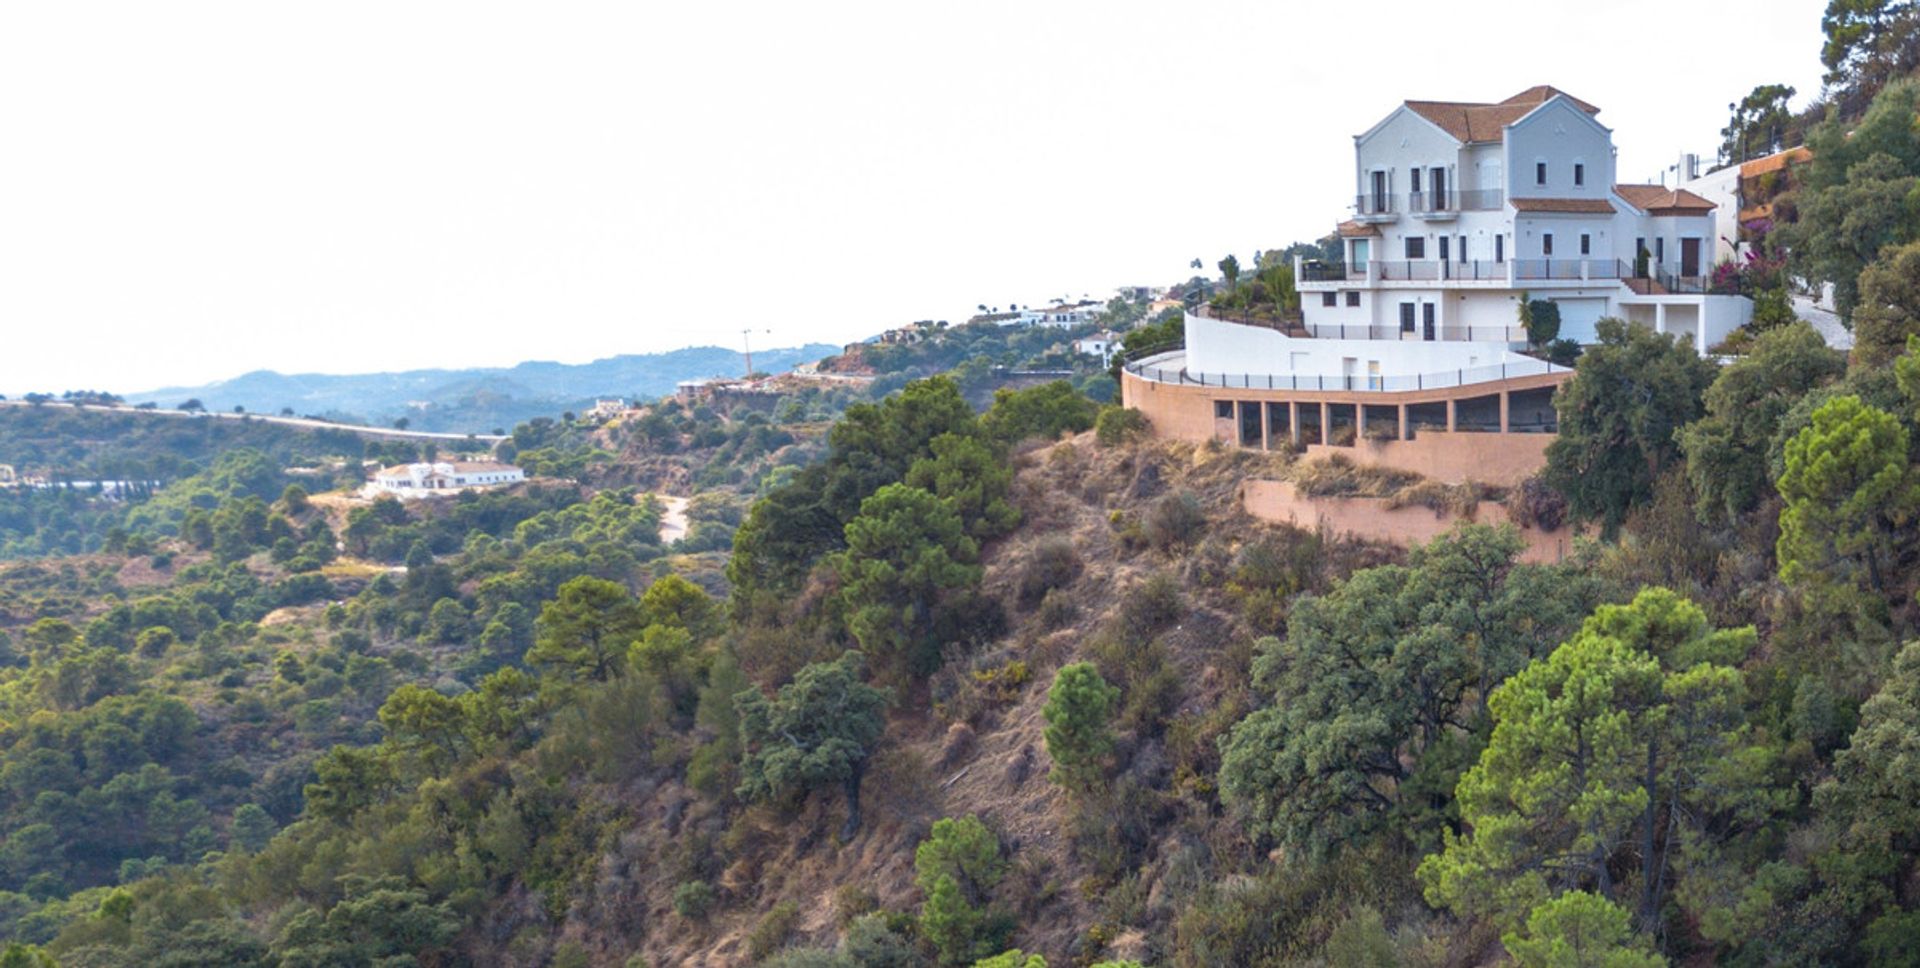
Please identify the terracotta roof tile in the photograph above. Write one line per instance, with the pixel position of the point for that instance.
(1577, 206)
(1775, 161)
(1351, 229)
(1472, 122)
(1659, 200)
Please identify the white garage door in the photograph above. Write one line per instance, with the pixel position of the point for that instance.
(1577, 317)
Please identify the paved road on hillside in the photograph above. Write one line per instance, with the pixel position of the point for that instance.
(303, 422)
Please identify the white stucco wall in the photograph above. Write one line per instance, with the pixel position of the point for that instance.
(1559, 134)
(1216, 347)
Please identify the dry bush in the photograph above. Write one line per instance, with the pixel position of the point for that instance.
(1442, 499)
(1338, 476)
(1053, 564)
(1150, 606)
(1057, 611)
(1174, 521)
(1536, 504)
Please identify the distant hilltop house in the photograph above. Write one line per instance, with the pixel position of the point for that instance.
(607, 409)
(727, 389)
(423, 480)
(1406, 355)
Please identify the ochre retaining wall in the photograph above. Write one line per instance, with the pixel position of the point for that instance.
(1503, 460)
(1370, 518)
(1185, 412)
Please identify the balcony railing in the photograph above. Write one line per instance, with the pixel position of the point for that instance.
(1371, 204)
(1481, 199)
(1330, 272)
(1445, 334)
(1547, 269)
(1431, 203)
(1169, 368)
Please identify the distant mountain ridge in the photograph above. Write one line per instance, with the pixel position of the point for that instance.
(478, 399)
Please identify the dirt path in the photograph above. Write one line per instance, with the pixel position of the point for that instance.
(673, 523)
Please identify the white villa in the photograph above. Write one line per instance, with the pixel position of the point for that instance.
(1460, 207)
(445, 477)
(1406, 354)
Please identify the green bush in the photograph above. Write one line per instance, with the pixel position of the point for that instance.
(1117, 425)
(693, 900)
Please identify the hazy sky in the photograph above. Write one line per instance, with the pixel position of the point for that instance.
(189, 191)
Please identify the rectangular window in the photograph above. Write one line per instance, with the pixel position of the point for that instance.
(1586, 244)
(1499, 248)
(1659, 250)
(1579, 174)
(1539, 173)
(1463, 248)
(1546, 243)
(1406, 317)
(1353, 298)
(1415, 185)
(1223, 409)
(1327, 298)
(1416, 247)
(1443, 247)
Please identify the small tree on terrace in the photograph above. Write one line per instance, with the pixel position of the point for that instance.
(817, 731)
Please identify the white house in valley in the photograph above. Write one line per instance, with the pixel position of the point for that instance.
(444, 477)
(1461, 207)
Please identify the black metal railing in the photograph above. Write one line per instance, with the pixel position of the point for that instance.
(1401, 270)
(1548, 268)
(1371, 204)
(1327, 272)
(1174, 372)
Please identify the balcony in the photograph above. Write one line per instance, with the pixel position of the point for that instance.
(1318, 271)
(1376, 207)
(1434, 206)
(1436, 270)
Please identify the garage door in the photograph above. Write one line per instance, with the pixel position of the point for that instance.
(1577, 317)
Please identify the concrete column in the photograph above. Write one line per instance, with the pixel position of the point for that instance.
(1266, 432)
(1660, 318)
(1293, 422)
(1453, 414)
(1326, 423)
(1403, 421)
(1504, 425)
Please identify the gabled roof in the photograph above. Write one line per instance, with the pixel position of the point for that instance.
(1352, 229)
(1660, 200)
(1472, 122)
(1575, 206)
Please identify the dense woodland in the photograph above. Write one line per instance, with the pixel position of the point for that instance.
(940, 680)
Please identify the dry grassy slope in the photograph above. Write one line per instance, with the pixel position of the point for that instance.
(932, 768)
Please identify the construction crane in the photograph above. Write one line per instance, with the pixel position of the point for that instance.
(746, 344)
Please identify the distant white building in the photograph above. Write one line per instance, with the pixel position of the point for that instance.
(607, 409)
(445, 477)
(1084, 311)
(1102, 344)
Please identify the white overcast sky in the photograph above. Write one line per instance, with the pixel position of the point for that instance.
(191, 190)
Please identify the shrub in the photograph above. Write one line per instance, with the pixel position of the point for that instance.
(1117, 425)
(693, 900)
(1053, 564)
(1536, 504)
(1057, 611)
(1151, 605)
(1174, 520)
(772, 930)
(1078, 711)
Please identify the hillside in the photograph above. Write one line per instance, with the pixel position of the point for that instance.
(480, 399)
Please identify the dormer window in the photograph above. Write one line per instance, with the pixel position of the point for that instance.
(1579, 174)
(1539, 173)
